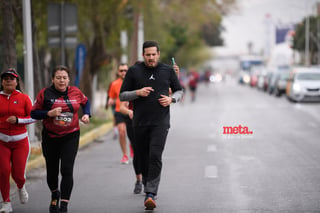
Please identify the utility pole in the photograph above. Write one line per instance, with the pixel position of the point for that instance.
(137, 37)
(124, 46)
(307, 39)
(28, 58)
(268, 27)
(140, 36)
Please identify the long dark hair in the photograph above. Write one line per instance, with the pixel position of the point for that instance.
(18, 79)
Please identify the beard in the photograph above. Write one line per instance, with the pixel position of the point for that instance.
(151, 63)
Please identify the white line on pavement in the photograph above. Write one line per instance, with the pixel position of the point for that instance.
(211, 148)
(211, 171)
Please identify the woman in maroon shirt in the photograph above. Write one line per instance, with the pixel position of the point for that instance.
(58, 107)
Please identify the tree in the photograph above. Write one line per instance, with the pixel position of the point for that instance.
(314, 39)
(100, 24)
(188, 28)
(8, 34)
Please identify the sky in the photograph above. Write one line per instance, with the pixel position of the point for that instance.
(249, 23)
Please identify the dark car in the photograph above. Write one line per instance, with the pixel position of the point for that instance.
(281, 83)
(274, 76)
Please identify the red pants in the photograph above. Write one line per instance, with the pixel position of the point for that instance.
(13, 158)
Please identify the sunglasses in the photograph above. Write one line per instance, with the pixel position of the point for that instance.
(123, 70)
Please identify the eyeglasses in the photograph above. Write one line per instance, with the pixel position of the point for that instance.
(123, 70)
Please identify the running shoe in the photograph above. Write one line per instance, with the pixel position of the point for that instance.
(149, 202)
(54, 204)
(125, 159)
(23, 195)
(138, 187)
(6, 207)
(63, 209)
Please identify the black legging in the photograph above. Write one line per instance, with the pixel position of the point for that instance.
(151, 141)
(62, 149)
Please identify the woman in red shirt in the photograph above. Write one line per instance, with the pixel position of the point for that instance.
(15, 110)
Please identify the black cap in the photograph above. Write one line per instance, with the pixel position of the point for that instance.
(10, 71)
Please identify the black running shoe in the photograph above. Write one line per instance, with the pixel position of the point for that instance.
(149, 202)
(54, 207)
(63, 209)
(137, 187)
(54, 204)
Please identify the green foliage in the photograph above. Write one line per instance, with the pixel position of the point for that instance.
(184, 29)
(299, 38)
(314, 40)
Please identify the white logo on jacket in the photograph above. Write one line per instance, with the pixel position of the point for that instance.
(152, 77)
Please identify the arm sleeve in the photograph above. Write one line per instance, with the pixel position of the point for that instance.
(39, 114)
(177, 95)
(128, 95)
(175, 83)
(86, 108)
(176, 87)
(127, 91)
(37, 111)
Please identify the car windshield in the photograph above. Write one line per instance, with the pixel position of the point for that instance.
(284, 76)
(308, 76)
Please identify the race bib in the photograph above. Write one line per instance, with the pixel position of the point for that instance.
(65, 119)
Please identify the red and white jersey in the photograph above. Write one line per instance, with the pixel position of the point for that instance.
(16, 104)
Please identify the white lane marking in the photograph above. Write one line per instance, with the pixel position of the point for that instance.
(211, 148)
(211, 171)
(247, 158)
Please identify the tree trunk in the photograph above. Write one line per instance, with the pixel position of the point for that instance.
(9, 37)
(95, 58)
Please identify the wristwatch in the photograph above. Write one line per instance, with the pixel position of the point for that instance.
(173, 100)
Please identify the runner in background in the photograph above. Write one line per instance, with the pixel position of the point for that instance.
(113, 110)
(193, 83)
(126, 108)
(120, 119)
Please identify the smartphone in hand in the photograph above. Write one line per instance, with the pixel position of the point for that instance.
(173, 61)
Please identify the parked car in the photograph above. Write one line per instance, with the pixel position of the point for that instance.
(281, 83)
(267, 81)
(304, 84)
(261, 81)
(272, 82)
(244, 77)
(255, 72)
(274, 76)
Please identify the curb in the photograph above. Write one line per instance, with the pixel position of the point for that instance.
(86, 139)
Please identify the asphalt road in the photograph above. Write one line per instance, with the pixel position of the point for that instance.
(274, 169)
